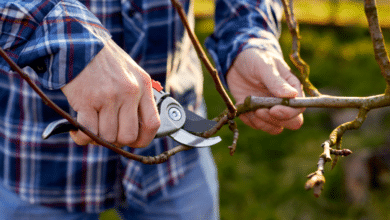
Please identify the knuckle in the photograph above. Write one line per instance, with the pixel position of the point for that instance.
(146, 82)
(108, 93)
(146, 78)
(154, 124)
(131, 88)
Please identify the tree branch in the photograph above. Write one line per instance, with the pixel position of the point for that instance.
(295, 56)
(234, 129)
(317, 180)
(381, 55)
(253, 102)
(202, 55)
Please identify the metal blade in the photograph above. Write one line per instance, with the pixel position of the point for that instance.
(197, 124)
(188, 139)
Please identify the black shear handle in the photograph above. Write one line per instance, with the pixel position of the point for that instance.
(58, 127)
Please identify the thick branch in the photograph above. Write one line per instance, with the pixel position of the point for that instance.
(253, 102)
(381, 55)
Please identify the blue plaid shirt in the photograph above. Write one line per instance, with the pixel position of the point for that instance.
(53, 40)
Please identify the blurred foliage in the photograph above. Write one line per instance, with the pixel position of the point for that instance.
(265, 178)
(339, 12)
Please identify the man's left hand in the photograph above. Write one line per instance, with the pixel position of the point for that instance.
(260, 73)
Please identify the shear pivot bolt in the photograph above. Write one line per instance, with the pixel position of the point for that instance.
(174, 114)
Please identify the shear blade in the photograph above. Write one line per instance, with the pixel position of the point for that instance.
(58, 127)
(188, 139)
(197, 124)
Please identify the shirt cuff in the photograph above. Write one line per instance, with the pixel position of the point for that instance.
(224, 53)
(63, 44)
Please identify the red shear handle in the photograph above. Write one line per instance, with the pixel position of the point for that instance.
(157, 86)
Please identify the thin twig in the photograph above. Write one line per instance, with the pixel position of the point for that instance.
(381, 55)
(342, 152)
(337, 152)
(326, 153)
(295, 56)
(234, 129)
(338, 132)
(202, 55)
(221, 122)
(317, 179)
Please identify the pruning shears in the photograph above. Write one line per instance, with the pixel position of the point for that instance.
(180, 124)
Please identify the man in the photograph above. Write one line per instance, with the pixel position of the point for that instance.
(78, 53)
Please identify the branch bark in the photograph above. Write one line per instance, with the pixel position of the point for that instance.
(324, 101)
(381, 55)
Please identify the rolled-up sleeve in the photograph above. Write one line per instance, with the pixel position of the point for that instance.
(243, 24)
(56, 38)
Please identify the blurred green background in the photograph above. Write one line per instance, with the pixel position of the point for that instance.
(265, 178)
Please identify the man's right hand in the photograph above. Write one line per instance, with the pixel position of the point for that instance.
(113, 98)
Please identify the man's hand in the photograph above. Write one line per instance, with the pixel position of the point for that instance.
(113, 98)
(261, 73)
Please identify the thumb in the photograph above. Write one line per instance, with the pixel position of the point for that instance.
(274, 81)
(279, 87)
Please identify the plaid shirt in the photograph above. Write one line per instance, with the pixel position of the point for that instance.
(53, 40)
